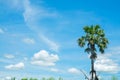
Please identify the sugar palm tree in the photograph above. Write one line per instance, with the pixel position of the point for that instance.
(94, 37)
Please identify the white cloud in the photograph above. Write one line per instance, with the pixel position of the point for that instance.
(15, 66)
(9, 56)
(105, 64)
(32, 15)
(8, 78)
(29, 41)
(74, 71)
(43, 58)
(1, 31)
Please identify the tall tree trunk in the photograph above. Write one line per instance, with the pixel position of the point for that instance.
(92, 69)
(92, 61)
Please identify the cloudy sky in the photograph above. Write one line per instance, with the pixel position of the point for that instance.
(38, 38)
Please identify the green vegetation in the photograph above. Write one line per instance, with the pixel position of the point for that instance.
(94, 37)
(24, 79)
(60, 78)
(50, 78)
(114, 78)
(33, 79)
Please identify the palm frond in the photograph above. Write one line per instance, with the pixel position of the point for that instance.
(88, 50)
(81, 41)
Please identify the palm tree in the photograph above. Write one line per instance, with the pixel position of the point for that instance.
(94, 37)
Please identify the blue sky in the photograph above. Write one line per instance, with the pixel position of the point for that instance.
(38, 38)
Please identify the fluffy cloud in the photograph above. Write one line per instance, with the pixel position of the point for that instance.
(43, 58)
(28, 41)
(104, 64)
(15, 66)
(74, 71)
(1, 31)
(9, 56)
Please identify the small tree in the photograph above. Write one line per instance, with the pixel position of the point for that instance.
(24, 79)
(94, 37)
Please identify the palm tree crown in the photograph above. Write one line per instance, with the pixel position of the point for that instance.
(95, 36)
